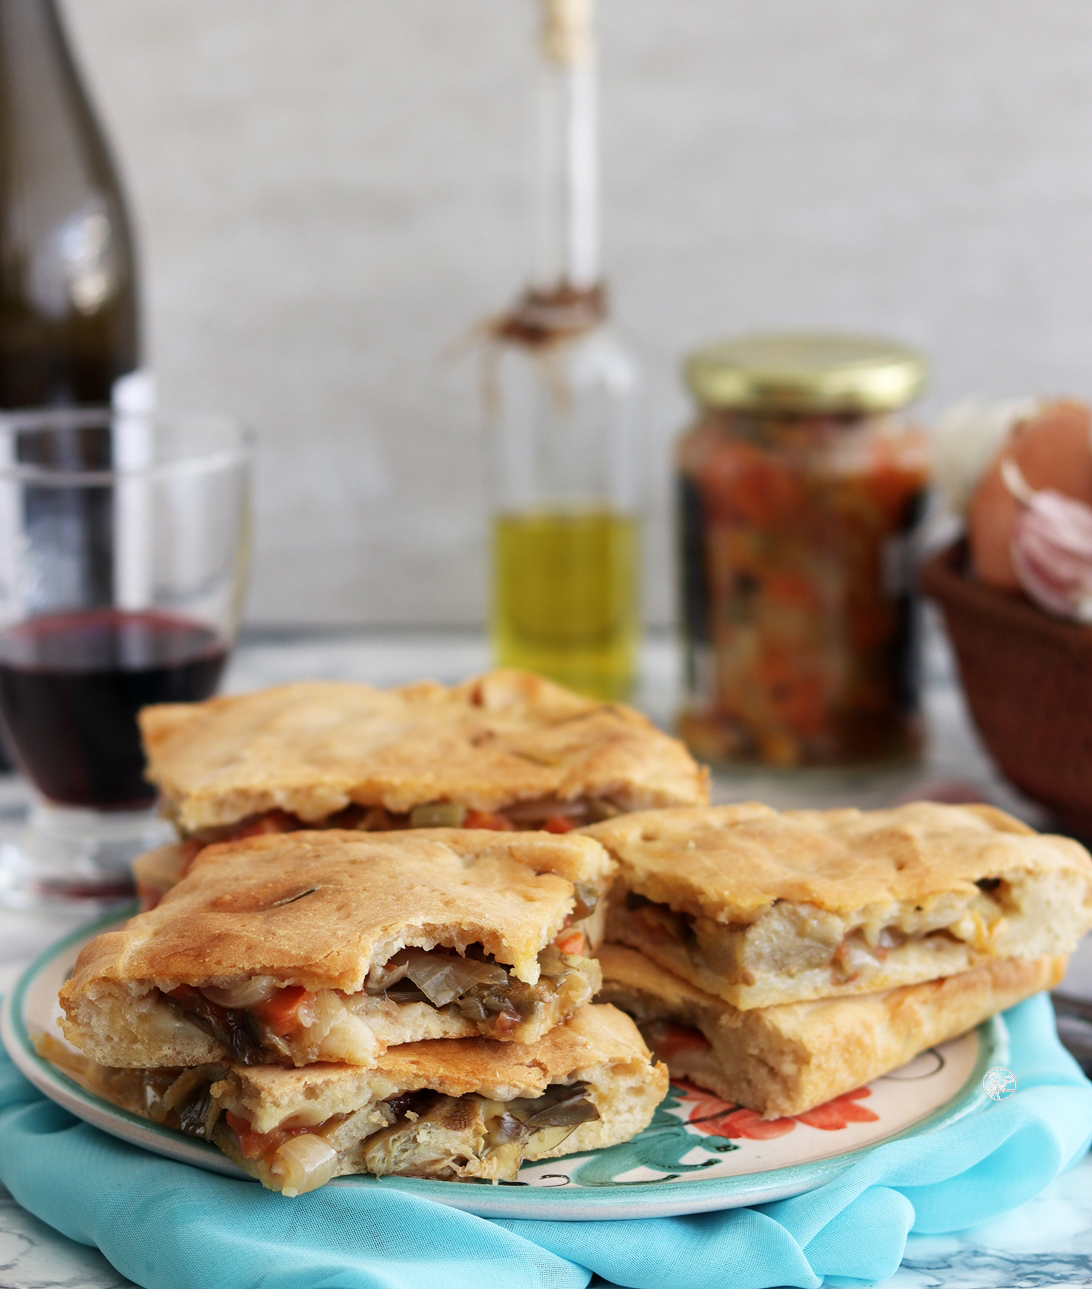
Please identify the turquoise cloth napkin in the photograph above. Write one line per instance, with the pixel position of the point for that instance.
(168, 1226)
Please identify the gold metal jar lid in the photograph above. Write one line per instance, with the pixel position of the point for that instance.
(805, 373)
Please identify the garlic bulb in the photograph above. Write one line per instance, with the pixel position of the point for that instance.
(1051, 547)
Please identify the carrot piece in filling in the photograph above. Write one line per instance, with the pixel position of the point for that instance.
(558, 823)
(288, 1010)
(484, 819)
(256, 1145)
(571, 942)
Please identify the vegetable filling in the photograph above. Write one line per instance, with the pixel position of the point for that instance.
(549, 814)
(260, 1021)
(417, 1134)
(545, 814)
(857, 955)
(420, 1134)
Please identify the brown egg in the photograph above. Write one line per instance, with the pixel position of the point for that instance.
(1053, 450)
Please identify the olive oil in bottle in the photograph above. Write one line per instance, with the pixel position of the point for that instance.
(565, 597)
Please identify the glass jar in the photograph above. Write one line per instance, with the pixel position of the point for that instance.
(799, 491)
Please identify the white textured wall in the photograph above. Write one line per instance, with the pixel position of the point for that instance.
(329, 192)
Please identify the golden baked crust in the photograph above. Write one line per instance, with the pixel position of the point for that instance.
(316, 747)
(787, 1059)
(763, 908)
(319, 910)
(733, 863)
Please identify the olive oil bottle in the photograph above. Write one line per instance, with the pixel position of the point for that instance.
(559, 395)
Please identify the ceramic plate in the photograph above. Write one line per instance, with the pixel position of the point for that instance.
(698, 1154)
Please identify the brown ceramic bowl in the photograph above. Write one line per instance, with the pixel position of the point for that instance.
(1028, 682)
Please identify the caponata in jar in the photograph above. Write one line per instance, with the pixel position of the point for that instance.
(799, 493)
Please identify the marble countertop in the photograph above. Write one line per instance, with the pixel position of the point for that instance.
(1045, 1243)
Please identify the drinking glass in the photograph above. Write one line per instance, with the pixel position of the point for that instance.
(123, 552)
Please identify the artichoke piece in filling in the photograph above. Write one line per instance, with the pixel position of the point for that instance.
(470, 1136)
(418, 993)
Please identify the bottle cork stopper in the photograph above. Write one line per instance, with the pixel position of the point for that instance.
(567, 36)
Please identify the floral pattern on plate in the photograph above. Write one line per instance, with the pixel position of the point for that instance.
(695, 1133)
(722, 1119)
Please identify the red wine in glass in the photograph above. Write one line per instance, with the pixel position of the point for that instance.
(71, 685)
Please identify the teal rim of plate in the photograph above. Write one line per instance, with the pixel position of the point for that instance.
(993, 1049)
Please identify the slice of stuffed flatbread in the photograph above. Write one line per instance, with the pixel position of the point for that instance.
(788, 1059)
(761, 908)
(452, 1109)
(507, 750)
(330, 946)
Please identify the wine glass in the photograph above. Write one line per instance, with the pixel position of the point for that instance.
(123, 551)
